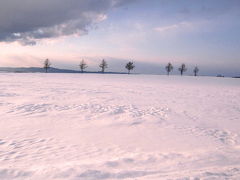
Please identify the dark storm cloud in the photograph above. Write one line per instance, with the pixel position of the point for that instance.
(28, 20)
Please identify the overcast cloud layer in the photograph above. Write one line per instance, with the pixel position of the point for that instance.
(28, 20)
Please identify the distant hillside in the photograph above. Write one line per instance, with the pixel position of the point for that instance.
(34, 70)
(41, 70)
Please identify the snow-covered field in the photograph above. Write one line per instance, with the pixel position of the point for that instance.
(107, 127)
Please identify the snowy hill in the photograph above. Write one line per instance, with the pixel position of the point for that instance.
(50, 70)
(133, 127)
(35, 70)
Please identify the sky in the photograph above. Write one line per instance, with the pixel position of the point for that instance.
(151, 33)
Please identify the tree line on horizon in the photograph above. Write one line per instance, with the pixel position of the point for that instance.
(129, 66)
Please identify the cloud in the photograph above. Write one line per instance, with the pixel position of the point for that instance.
(27, 21)
(182, 27)
(171, 27)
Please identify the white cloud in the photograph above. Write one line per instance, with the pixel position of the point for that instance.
(182, 27)
(174, 27)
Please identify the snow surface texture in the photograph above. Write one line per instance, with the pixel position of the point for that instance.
(108, 127)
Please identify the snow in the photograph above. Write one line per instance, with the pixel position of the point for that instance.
(107, 127)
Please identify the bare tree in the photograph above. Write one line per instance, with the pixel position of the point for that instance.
(47, 65)
(129, 66)
(103, 65)
(82, 65)
(182, 69)
(196, 70)
(169, 68)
